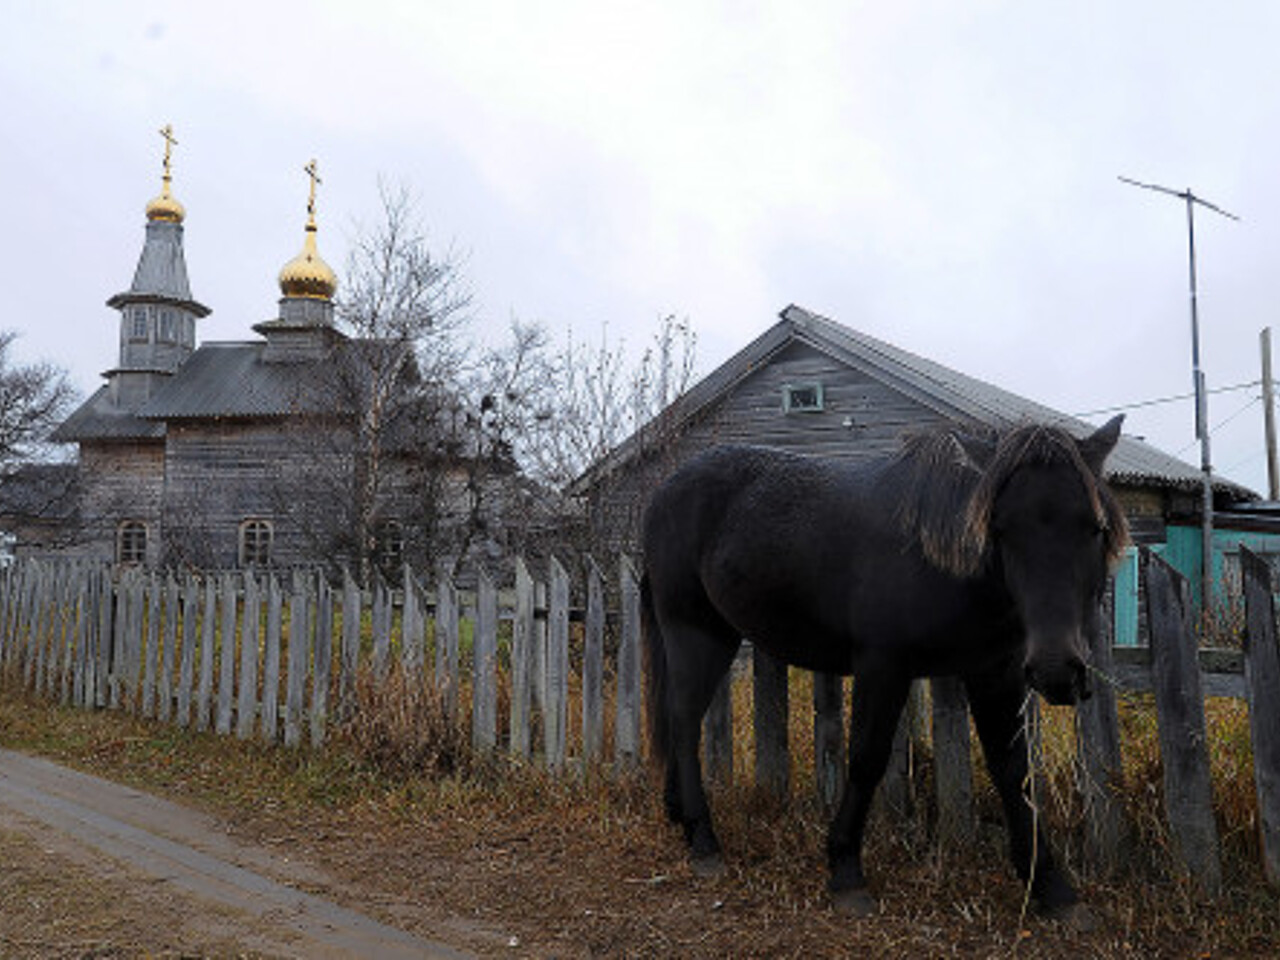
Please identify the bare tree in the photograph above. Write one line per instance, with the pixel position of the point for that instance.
(33, 400)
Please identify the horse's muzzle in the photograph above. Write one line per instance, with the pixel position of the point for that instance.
(1063, 683)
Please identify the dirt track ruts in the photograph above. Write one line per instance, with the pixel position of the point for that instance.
(162, 841)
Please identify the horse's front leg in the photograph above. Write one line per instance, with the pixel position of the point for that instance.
(877, 705)
(997, 706)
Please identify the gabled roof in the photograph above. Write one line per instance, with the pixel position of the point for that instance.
(952, 394)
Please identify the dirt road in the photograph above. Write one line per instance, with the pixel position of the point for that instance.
(165, 866)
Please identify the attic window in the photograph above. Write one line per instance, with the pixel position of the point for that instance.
(802, 398)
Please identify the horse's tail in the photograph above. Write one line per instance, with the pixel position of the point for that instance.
(656, 668)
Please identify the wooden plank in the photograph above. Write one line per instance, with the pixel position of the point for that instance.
(413, 626)
(555, 714)
(1262, 680)
(1098, 738)
(82, 635)
(271, 642)
(952, 764)
(106, 630)
(828, 738)
(351, 614)
(447, 642)
(226, 653)
(186, 659)
(773, 758)
(149, 649)
(1179, 698)
(626, 728)
(593, 667)
(484, 696)
(168, 645)
(381, 627)
(250, 641)
(299, 651)
(717, 733)
(134, 641)
(1221, 671)
(208, 621)
(522, 662)
(37, 662)
(323, 669)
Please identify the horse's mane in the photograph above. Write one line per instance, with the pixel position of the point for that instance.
(948, 483)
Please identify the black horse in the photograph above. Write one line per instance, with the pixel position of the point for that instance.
(982, 558)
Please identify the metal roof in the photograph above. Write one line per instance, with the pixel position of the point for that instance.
(953, 394)
(100, 419)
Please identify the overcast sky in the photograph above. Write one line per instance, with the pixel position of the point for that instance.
(942, 175)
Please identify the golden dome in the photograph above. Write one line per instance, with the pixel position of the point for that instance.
(307, 275)
(166, 207)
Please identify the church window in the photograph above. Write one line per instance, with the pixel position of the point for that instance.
(168, 326)
(255, 543)
(138, 325)
(131, 542)
(388, 546)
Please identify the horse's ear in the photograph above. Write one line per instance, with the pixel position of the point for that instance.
(1096, 447)
(979, 450)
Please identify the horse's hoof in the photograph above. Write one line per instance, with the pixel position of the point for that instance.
(709, 867)
(1073, 916)
(857, 902)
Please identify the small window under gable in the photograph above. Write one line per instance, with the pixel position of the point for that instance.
(802, 398)
(255, 543)
(131, 542)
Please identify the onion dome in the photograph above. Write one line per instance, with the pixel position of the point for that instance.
(307, 275)
(166, 207)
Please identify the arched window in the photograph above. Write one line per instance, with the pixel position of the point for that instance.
(388, 547)
(131, 542)
(255, 543)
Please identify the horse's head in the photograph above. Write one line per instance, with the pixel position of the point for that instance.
(1052, 527)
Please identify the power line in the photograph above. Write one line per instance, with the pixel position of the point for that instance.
(1137, 405)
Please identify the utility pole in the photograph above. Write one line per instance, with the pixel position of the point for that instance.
(1269, 417)
(1202, 398)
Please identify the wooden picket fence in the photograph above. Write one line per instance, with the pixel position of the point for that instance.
(244, 654)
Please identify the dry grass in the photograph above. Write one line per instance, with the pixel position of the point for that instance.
(586, 866)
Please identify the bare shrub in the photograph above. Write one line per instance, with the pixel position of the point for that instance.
(401, 726)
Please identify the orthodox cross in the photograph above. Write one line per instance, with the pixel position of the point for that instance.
(313, 172)
(169, 143)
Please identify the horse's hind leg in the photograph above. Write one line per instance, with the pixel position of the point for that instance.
(697, 660)
(877, 705)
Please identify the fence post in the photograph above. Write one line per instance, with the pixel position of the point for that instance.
(226, 654)
(1262, 687)
(186, 659)
(626, 735)
(773, 761)
(555, 711)
(413, 627)
(208, 616)
(484, 694)
(1098, 753)
(593, 667)
(167, 652)
(351, 615)
(1184, 753)
(953, 768)
(271, 660)
(134, 641)
(323, 660)
(381, 626)
(522, 662)
(106, 630)
(246, 706)
(152, 636)
(828, 737)
(447, 641)
(299, 650)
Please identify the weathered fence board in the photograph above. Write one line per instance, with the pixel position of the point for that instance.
(484, 694)
(627, 721)
(555, 704)
(1184, 750)
(1262, 681)
(1098, 734)
(298, 649)
(952, 765)
(522, 642)
(250, 627)
(828, 737)
(447, 637)
(351, 603)
(772, 704)
(271, 661)
(593, 666)
(323, 667)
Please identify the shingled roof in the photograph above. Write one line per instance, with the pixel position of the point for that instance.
(952, 394)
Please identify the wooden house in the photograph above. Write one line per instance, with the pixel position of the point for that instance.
(812, 385)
